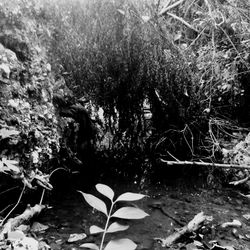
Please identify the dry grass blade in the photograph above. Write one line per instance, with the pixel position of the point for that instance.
(167, 7)
(182, 20)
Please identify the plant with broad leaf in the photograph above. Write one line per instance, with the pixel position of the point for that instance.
(128, 212)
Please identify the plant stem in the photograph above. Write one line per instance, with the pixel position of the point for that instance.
(41, 200)
(19, 199)
(107, 223)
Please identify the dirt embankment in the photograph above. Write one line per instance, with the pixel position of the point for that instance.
(29, 135)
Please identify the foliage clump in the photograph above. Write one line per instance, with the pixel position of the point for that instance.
(29, 136)
(127, 212)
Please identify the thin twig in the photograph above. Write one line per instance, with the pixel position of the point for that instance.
(7, 190)
(204, 164)
(167, 7)
(182, 21)
(6, 208)
(43, 192)
(173, 156)
(19, 199)
(194, 41)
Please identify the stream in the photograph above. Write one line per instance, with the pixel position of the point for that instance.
(71, 214)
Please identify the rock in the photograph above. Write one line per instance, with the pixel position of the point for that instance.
(23, 228)
(191, 246)
(38, 227)
(15, 235)
(5, 70)
(55, 246)
(27, 243)
(76, 237)
(234, 223)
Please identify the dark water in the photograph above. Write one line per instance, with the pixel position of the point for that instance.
(70, 214)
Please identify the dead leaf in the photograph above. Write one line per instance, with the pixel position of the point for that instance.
(76, 237)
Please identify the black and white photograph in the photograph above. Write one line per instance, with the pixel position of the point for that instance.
(124, 124)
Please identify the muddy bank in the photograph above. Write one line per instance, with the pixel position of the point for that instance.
(70, 214)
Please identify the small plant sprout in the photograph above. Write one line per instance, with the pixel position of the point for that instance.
(129, 213)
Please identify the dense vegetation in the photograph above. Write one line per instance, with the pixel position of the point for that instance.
(161, 79)
(188, 61)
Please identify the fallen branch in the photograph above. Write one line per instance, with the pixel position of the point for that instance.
(239, 182)
(168, 8)
(205, 164)
(12, 223)
(192, 226)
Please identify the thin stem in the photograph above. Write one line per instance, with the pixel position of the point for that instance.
(5, 191)
(42, 196)
(57, 170)
(107, 223)
(6, 208)
(41, 200)
(19, 199)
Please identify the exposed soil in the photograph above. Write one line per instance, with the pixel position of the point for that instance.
(70, 214)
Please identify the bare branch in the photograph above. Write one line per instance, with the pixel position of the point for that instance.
(205, 164)
(167, 8)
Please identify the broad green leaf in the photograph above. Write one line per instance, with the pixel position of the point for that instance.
(95, 230)
(90, 246)
(130, 197)
(122, 244)
(130, 213)
(115, 227)
(95, 202)
(105, 190)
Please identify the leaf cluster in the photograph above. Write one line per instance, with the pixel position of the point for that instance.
(127, 212)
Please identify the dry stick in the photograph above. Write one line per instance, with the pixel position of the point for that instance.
(173, 156)
(167, 8)
(192, 226)
(205, 164)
